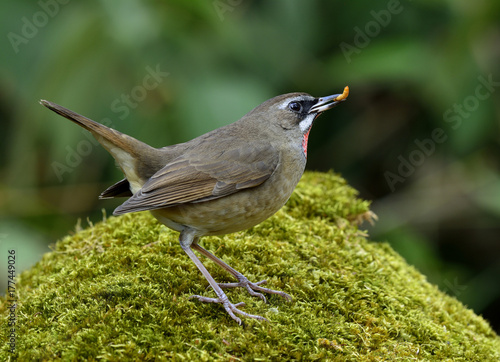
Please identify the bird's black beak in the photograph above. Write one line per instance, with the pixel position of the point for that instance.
(326, 103)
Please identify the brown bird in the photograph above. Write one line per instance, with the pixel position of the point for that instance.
(224, 181)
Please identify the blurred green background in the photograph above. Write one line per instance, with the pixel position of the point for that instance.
(419, 134)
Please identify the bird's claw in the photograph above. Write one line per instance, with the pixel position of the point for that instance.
(252, 287)
(230, 308)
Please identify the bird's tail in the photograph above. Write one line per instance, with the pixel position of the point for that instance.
(136, 159)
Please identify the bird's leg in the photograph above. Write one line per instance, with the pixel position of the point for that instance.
(242, 280)
(187, 239)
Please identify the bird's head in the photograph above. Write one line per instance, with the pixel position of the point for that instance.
(294, 113)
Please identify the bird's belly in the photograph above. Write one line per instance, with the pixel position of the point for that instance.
(238, 211)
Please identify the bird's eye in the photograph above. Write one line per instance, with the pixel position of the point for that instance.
(295, 106)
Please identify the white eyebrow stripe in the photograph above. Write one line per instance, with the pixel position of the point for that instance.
(286, 102)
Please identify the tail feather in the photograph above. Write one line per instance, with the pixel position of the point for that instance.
(137, 160)
(108, 137)
(119, 189)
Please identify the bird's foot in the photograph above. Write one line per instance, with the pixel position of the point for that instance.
(231, 309)
(252, 287)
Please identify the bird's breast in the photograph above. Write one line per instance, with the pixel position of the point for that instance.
(238, 211)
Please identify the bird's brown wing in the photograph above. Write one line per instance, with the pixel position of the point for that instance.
(202, 176)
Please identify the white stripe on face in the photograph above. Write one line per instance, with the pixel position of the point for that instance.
(306, 123)
(286, 102)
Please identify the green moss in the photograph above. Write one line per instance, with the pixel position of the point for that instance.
(119, 290)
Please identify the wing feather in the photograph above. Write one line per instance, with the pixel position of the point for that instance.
(201, 176)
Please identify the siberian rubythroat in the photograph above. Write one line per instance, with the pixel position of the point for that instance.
(224, 181)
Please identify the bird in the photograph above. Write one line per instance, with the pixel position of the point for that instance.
(224, 181)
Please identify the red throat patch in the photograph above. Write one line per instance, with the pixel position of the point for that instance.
(305, 140)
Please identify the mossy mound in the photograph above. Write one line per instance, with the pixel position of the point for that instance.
(119, 291)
